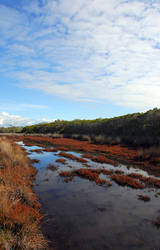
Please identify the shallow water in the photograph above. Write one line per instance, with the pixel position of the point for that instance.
(80, 215)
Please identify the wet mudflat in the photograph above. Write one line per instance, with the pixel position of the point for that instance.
(81, 214)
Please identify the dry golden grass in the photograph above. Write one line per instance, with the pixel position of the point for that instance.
(19, 206)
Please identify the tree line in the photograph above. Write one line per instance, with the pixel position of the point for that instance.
(135, 129)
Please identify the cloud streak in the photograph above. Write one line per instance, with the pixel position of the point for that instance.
(86, 51)
(21, 107)
(7, 120)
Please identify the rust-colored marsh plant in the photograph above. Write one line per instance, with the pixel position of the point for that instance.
(90, 174)
(19, 206)
(125, 180)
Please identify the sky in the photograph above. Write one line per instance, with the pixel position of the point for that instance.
(81, 59)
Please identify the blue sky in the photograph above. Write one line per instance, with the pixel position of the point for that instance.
(65, 59)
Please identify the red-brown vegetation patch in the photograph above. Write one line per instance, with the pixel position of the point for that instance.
(103, 159)
(67, 179)
(81, 160)
(135, 175)
(67, 155)
(87, 156)
(39, 151)
(85, 173)
(19, 206)
(120, 152)
(103, 181)
(91, 175)
(126, 180)
(103, 171)
(63, 148)
(66, 173)
(143, 198)
(138, 176)
(153, 181)
(35, 160)
(150, 181)
(52, 167)
(28, 144)
(72, 157)
(82, 145)
(63, 161)
(20, 213)
(50, 149)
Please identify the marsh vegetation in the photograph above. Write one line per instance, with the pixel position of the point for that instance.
(19, 206)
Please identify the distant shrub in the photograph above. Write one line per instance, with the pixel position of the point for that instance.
(100, 139)
(150, 152)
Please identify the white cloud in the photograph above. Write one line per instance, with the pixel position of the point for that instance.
(7, 120)
(88, 50)
(13, 120)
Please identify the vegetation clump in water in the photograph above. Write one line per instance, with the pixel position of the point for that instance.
(143, 197)
(60, 160)
(39, 150)
(85, 173)
(126, 180)
(52, 167)
(72, 157)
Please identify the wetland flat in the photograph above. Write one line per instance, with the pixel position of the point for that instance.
(82, 213)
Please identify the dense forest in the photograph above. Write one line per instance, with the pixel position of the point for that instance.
(134, 129)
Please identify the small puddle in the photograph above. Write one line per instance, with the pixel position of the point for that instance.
(81, 215)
